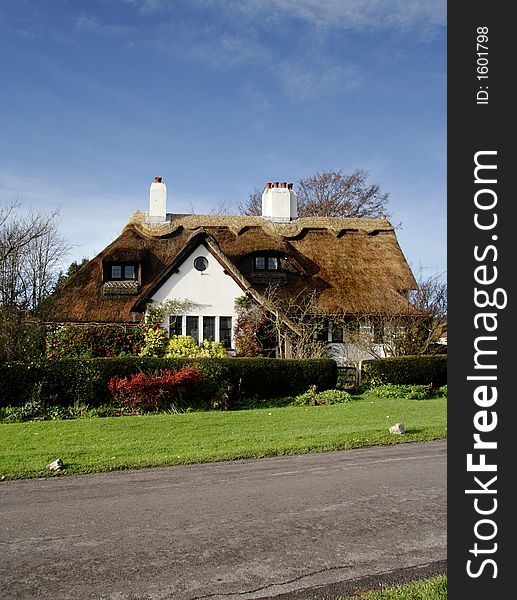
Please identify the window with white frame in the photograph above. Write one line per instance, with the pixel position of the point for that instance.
(175, 325)
(209, 329)
(225, 331)
(122, 272)
(192, 328)
(265, 262)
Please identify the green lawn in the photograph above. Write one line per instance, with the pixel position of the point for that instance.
(434, 588)
(106, 444)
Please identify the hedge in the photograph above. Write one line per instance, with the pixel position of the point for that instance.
(406, 370)
(224, 382)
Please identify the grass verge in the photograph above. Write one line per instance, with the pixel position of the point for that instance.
(434, 588)
(107, 444)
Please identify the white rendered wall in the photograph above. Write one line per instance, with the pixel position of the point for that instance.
(212, 291)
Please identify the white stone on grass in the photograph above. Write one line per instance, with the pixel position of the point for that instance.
(398, 428)
(57, 465)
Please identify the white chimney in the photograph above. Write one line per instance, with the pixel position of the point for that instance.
(279, 202)
(158, 201)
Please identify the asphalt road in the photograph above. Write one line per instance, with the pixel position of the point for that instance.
(308, 526)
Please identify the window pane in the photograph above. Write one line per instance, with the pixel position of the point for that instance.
(200, 263)
(175, 322)
(209, 328)
(272, 263)
(129, 272)
(260, 263)
(337, 332)
(116, 271)
(225, 331)
(192, 328)
(378, 333)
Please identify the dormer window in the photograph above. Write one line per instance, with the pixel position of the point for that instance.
(272, 263)
(121, 276)
(263, 262)
(122, 272)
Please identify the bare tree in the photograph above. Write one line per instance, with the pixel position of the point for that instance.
(331, 194)
(253, 206)
(293, 323)
(39, 271)
(334, 194)
(223, 207)
(31, 249)
(17, 231)
(417, 331)
(430, 301)
(297, 329)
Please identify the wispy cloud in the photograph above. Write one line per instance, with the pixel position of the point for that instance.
(360, 14)
(342, 14)
(148, 6)
(234, 33)
(302, 77)
(210, 46)
(248, 33)
(87, 24)
(307, 79)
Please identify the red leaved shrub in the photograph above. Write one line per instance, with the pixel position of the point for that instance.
(152, 391)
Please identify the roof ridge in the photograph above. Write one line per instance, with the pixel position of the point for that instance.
(237, 223)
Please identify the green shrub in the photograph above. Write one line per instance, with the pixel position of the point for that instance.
(22, 335)
(334, 396)
(39, 412)
(106, 410)
(313, 397)
(92, 341)
(155, 342)
(32, 410)
(441, 392)
(224, 382)
(184, 346)
(212, 349)
(410, 392)
(406, 370)
(273, 378)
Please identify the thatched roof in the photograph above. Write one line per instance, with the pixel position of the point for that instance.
(355, 265)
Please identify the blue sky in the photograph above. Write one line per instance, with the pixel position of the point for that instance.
(218, 97)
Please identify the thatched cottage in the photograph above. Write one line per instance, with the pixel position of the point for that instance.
(354, 266)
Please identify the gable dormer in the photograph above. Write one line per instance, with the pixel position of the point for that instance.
(121, 274)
